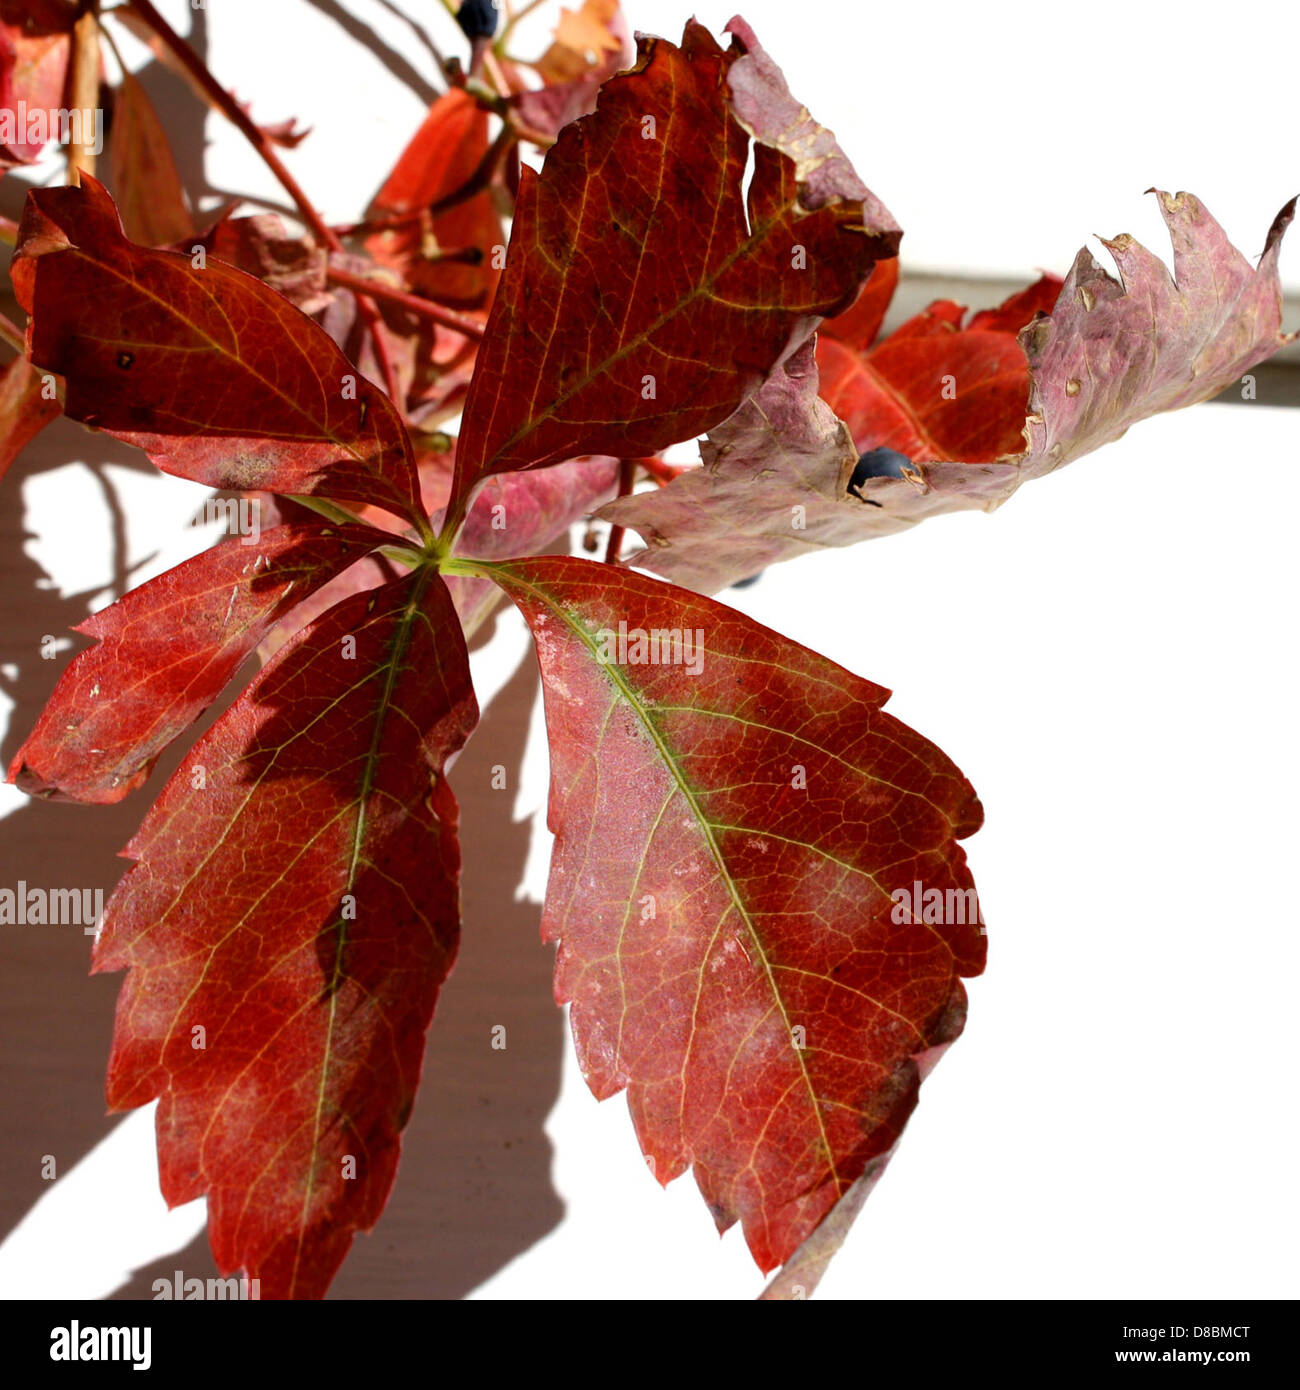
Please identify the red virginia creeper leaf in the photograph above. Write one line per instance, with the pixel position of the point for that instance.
(215, 376)
(295, 899)
(515, 514)
(1113, 353)
(892, 396)
(803, 1271)
(730, 833)
(776, 476)
(25, 409)
(1018, 309)
(40, 16)
(859, 325)
(443, 154)
(165, 651)
(525, 514)
(148, 189)
(33, 72)
(644, 297)
(293, 265)
(769, 489)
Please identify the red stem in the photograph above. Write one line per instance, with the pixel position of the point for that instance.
(663, 473)
(372, 318)
(425, 308)
(626, 473)
(233, 112)
(13, 335)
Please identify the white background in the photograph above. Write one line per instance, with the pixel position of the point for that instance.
(1110, 658)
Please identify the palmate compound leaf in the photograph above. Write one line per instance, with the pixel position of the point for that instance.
(783, 475)
(516, 514)
(645, 295)
(218, 378)
(743, 891)
(291, 914)
(166, 650)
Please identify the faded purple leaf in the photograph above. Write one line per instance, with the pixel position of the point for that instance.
(775, 476)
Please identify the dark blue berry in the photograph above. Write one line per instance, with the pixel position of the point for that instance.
(878, 463)
(478, 19)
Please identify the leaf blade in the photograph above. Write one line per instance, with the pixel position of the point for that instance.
(626, 359)
(218, 378)
(442, 156)
(323, 783)
(165, 651)
(150, 196)
(764, 916)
